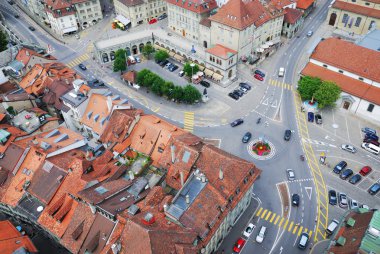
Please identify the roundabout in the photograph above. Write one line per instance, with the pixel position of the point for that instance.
(261, 149)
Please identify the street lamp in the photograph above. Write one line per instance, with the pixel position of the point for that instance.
(192, 72)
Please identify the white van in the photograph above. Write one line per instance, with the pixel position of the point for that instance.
(371, 148)
(332, 226)
(281, 72)
(260, 236)
(131, 59)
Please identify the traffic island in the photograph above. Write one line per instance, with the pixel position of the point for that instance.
(261, 149)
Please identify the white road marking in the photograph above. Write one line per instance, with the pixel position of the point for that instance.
(309, 191)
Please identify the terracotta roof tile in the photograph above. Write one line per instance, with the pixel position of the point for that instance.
(57, 88)
(131, 2)
(304, 4)
(25, 54)
(347, 84)
(11, 239)
(358, 9)
(205, 22)
(197, 6)
(281, 3)
(7, 88)
(130, 76)
(221, 51)
(292, 15)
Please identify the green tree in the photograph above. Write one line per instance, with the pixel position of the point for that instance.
(176, 93)
(161, 55)
(166, 88)
(327, 94)
(308, 86)
(147, 50)
(119, 65)
(11, 110)
(157, 86)
(3, 41)
(141, 76)
(149, 79)
(191, 94)
(121, 53)
(189, 71)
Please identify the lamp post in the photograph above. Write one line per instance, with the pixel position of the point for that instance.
(192, 72)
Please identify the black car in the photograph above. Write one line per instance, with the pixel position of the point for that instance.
(247, 136)
(237, 122)
(332, 197)
(205, 83)
(158, 62)
(262, 74)
(234, 96)
(82, 66)
(245, 85)
(295, 199)
(287, 135)
(32, 28)
(163, 16)
(163, 63)
(16, 16)
(339, 167)
(238, 92)
(11, 2)
(318, 118)
(355, 179)
(173, 67)
(346, 174)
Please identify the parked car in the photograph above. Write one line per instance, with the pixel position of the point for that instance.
(371, 136)
(262, 74)
(234, 96)
(309, 34)
(238, 92)
(167, 65)
(11, 2)
(371, 148)
(152, 21)
(245, 85)
(239, 245)
(343, 200)
(287, 135)
(310, 116)
(181, 73)
(16, 16)
(304, 240)
(355, 179)
(243, 89)
(318, 118)
(163, 16)
(365, 170)
(331, 227)
(237, 122)
(205, 83)
(173, 67)
(346, 173)
(138, 59)
(371, 141)
(368, 130)
(339, 167)
(290, 174)
(295, 199)
(247, 136)
(332, 197)
(364, 206)
(164, 63)
(261, 235)
(348, 148)
(248, 231)
(82, 66)
(31, 28)
(374, 189)
(257, 76)
(354, 204)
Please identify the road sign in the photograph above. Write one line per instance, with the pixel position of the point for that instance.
(308, 190)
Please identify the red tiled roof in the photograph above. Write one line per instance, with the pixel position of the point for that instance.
(131, 2)
(221, 51)
(11, 239)
(350, 57)
(130, 76)
(347, 84)
(292, 15)
(25, 54)
(304, 4)
(197, 6)
(205, 22)
(358, 9)
(56, 89)
(280, 3)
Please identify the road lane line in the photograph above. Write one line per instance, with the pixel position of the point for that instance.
(263, 214)
(267, 217)
(277, 219)
(274, 215)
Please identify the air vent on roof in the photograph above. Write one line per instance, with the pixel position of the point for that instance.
(89, 114)
(96, 117)
(64, 136)
(45, 145)
(108, 93)
(52, 133)
(116, 97)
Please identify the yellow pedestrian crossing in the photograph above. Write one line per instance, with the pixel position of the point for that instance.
(188, 123)
(292, 227)
(78, 60)
(90, 47)
(278, 83)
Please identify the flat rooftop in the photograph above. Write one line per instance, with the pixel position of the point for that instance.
(28, 121)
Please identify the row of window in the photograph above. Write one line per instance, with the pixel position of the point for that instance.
(341, 71)
(348, 22)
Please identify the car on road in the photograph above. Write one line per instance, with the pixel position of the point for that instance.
(238, 92)
(261, 235)
(248, 231)
(281, 72)
(318, 119)
(354, 204)
(295, 199)
(163, 16)
(245, 85)
(371, 141)
(348, 148)
(332, 197)
(371, 148)
(309, 34)
(368, 130)
(343, 200)
(234, 96)
(339, 167)
(181, 73)
(262, 74)
(304, 240)
(138, 59)
(290, 174)
(237, 122)
(287, 135)
(346, 173)
(331, 227)
(257, 76)
(355, 179)
(310, 116)
(374, 189)
(204, 83)
(82, 66)
(365, 170)
(31, 28)
(16, 16)
(247, 136)
(239, 245)
(152, 21)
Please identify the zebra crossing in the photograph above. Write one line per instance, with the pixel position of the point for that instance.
(78, 60)
(281, 222)
(278, 83)
(188, 123)
(90, 47)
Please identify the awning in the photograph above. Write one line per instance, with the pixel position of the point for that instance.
(171, 53)
(265, 46)
(122, 20)
(201, 67)
(217, 76)
(69, 29)
(208, 72)
(179, 58)
(270, 43)
(160, 48)
(260, 50)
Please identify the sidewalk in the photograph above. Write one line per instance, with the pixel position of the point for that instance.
(320, 247)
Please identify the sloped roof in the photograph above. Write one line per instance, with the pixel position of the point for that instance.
(12, 240)
(221, 51)
(292, 15)
(197, 6)
(304, 4)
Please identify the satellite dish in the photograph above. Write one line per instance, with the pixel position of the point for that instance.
(40, 208)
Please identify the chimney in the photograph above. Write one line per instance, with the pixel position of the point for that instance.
(109, 103)
(221, 173)
(131, 175)
(187, 199)
(203, 178)
(182, 178)
(165, 207)
(172, 148)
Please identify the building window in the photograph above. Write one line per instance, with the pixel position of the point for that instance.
(366, 3)
(358, 20)
(87, 3)
(370, 107)
(371, 25)
(89, 10)
(345, 18)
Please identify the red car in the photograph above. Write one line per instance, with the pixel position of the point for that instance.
(257, 76)
(152, 21)
(239, 245)
(365, 170)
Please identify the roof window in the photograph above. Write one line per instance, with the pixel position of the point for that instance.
(101, 190)
(89, 114)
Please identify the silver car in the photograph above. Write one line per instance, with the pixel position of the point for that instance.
(348, 148)
(290, 174)
(343, 200)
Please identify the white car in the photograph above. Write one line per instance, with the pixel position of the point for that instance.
(260, 236)
(290, 174)
(281, 72)
(364, 206)
(248, 231)
(348, 148)
(138, 59)
(309, 34)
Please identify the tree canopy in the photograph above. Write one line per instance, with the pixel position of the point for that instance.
(147, 50)
(120, 53)
(189, 71)
(307, 86)
(3, 41)
(120, 62)
(161, 55)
